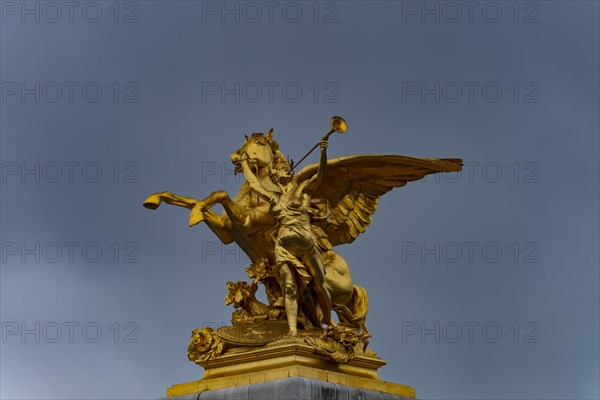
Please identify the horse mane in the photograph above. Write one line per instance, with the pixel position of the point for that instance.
(243, 196)
(272, 143)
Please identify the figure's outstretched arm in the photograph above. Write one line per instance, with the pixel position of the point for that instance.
(313, 183)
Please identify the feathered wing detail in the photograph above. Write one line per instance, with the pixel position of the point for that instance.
(353, 185)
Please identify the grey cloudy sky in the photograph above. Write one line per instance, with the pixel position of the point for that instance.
(482, 285)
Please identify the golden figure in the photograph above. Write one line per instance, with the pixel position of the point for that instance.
(324, 205)
(297, 254)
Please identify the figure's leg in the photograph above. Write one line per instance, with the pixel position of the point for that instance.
(311, 310)
(290, 290)
(314, 263)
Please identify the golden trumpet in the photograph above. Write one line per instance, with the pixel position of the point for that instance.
(338, 124)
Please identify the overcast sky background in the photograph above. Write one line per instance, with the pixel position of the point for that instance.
(526, 203)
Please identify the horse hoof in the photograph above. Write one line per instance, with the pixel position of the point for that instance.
(196, 216)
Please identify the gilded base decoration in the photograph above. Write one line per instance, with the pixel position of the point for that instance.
(285, 358)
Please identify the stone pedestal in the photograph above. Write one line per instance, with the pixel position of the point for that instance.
(294, 388)
(289, 371)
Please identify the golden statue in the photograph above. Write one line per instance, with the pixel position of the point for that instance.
(287, 224)
(297, 254)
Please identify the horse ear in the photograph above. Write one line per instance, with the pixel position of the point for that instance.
(246, 139)
(270, 134)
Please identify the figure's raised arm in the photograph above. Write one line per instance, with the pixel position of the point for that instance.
(313, 183)
(254, 183)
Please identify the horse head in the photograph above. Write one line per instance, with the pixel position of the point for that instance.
(261, 149)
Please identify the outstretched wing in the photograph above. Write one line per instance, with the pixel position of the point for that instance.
(353, 185)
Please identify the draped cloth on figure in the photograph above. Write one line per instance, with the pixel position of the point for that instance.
(298, 238)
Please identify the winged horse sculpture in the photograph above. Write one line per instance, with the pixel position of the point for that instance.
(346, 200)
